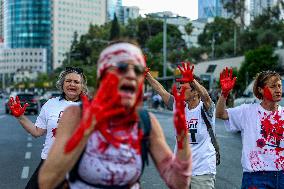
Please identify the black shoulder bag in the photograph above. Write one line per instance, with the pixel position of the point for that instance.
(212, 136)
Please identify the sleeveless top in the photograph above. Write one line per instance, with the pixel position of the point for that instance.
(112, 167)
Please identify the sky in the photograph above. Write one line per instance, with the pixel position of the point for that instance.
(187, 8)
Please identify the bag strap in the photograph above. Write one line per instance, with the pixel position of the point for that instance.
(210, 131)
(145, 125)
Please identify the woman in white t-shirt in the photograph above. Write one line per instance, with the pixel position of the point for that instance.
(262, 127)
(196, 98)
(72, 83)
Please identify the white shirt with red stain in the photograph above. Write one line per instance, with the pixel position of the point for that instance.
(48, 119)
(262, 136)
(113, 166)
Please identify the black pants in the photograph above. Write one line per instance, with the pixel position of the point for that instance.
(33, 182)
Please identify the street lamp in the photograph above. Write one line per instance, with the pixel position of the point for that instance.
(164, 17)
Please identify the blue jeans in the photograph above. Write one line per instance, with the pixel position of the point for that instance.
(263, 180)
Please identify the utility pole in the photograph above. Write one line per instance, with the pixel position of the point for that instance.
(213, 45)
(165, 47)
(235, 40)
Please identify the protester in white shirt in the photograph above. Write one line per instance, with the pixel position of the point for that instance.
(72, 83)
(261, 125)
(203, 151)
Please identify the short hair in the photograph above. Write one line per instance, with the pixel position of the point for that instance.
(68, 70)
(261, 79)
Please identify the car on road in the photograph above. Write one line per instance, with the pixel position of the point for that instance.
(24, 97)
(48, 95)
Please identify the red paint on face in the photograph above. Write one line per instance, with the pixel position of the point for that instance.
(267, 93)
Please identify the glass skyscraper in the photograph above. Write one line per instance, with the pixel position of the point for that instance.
(114, 6)
(209, 8)
(27, 24)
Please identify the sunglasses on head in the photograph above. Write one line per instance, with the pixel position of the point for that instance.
(124, 67)
(74, 69)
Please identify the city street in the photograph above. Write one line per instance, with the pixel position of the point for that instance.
(20, 154)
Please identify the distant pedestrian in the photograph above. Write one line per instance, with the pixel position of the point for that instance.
(72, 84)
(197, 100)
(262, 129)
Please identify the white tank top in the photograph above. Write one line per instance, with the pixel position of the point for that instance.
(114, 166)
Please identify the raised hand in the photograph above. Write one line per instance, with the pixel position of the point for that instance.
(227, 81)
(104, 106)
(15, 106)
(179, 116)
(186, 72)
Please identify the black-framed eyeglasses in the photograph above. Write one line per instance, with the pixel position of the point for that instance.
(74, 69)
(124, 67)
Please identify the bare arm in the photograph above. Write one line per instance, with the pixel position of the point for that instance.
(203, 94)
(221, 111)
(59, 163)
(174, 169)
(30, 127)
(158, 88)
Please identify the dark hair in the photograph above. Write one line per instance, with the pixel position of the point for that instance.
(261, 79)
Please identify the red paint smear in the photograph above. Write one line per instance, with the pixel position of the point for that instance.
(267, 94)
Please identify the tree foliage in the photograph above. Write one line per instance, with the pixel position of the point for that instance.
(257, 60)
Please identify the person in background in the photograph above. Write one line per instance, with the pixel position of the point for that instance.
(196, 98)
(72, 83)
(261, 125)
(100, 144)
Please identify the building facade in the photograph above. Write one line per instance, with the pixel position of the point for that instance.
(209, 8)
(114, 7)
(130, 12)
(70, 16)
(27, 24)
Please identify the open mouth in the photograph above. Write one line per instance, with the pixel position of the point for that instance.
(127, 90)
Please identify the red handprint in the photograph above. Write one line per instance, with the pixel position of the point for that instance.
(179, 116)
(105, 105)
(15, 106)
(186, 72)
(227, 81)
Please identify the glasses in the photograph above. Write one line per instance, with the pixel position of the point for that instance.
(74, 69)
(123, 68)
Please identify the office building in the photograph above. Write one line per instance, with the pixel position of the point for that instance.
(70, 16)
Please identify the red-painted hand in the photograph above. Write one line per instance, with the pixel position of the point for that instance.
(227, 81)
(15, 106)
(186, 72)
(179, 116)
(147, 70)
(104, 106)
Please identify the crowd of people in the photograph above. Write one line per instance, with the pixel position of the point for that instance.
(105, 141)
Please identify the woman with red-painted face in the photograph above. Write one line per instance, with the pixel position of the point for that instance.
(104, 143)
(72, 83)
(262, 127)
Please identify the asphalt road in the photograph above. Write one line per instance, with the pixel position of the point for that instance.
(20, 155)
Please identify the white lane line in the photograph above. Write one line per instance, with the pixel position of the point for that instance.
(25, 172)
(2, 116)
(29, 144)
(28, 155)
(30, 138)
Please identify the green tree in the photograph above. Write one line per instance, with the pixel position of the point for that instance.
(115, 29)
(257, 60)
(188, 28)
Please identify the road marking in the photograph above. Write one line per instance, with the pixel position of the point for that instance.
(2, 116)
(30, 138)
(25, 172)
(29, 144)
(28, 155)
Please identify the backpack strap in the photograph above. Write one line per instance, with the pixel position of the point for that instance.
(212, 135)
(145, 125)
